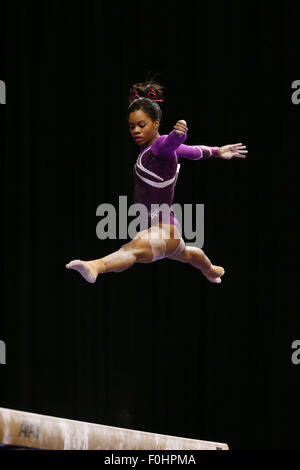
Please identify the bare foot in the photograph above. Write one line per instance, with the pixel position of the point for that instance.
(87, 269)
(214, 274)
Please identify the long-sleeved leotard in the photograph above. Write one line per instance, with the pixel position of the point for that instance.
(156, 172)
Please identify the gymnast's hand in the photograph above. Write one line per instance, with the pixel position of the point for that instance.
(180, 127)
(232, 150)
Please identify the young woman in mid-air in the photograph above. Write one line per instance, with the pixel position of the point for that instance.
(156, 171)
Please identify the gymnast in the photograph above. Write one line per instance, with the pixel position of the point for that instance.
(156, 172)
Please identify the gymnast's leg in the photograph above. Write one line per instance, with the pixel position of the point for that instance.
(197, 258)
(147, 246)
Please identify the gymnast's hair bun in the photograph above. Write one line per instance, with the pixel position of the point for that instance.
(149, 89)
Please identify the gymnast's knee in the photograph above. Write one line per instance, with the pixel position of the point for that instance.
(192, 253)
(180, 252)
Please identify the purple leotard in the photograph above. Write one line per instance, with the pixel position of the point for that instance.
(156, 172)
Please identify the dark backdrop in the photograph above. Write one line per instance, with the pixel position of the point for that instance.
(156, 348)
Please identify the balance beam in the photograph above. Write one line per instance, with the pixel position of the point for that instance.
(20, 428)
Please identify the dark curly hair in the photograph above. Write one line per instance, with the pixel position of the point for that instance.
(146, 96)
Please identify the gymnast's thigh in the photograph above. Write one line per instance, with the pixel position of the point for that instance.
(163, 238)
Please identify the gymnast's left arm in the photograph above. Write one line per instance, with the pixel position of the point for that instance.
(197, 152)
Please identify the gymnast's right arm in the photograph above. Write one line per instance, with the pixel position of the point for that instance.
(166, 145)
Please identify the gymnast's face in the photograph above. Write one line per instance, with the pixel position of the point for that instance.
(143, 130)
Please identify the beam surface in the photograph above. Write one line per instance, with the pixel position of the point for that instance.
(20, 428)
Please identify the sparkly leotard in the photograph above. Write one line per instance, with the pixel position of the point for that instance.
(156, 172)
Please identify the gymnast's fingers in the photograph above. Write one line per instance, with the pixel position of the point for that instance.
(238, 155)
(180, 127)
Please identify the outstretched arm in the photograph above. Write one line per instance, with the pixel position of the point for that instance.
(166, 145)
(195, 152)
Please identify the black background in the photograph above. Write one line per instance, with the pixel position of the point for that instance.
(156, 348)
